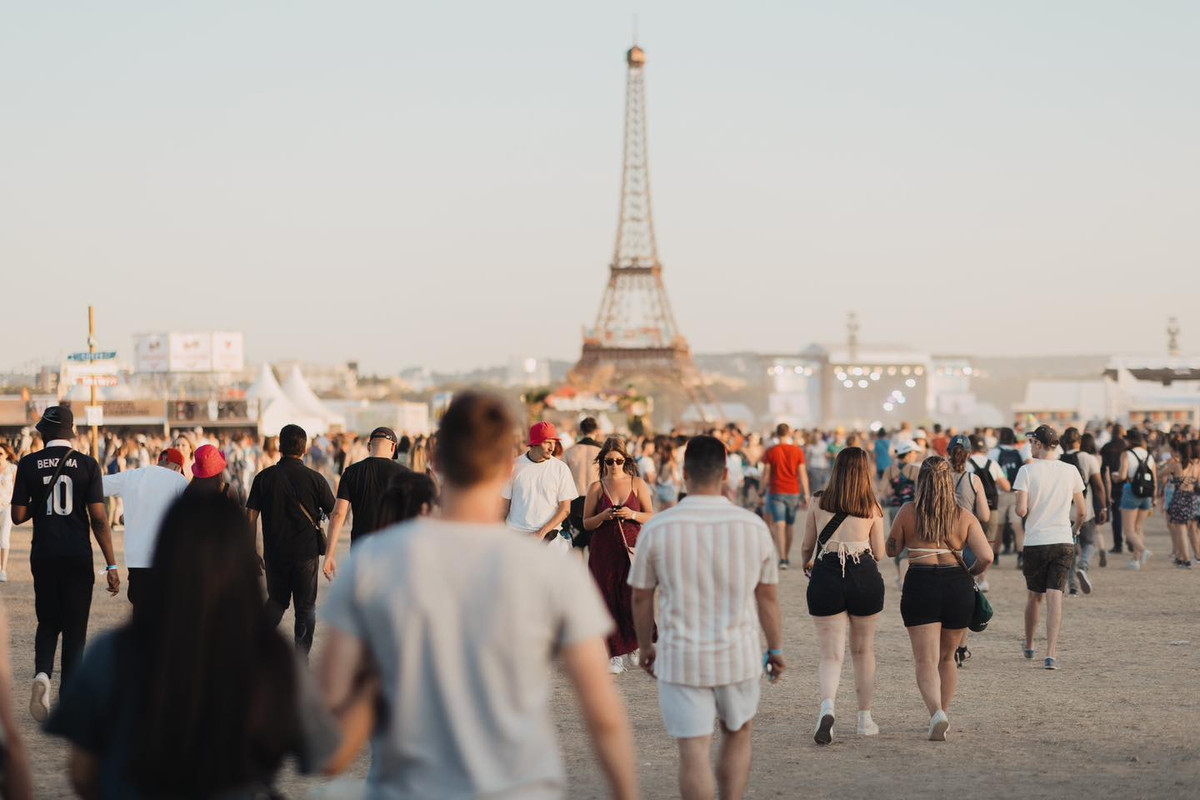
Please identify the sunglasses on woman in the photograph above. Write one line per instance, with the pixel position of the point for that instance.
(614, 462)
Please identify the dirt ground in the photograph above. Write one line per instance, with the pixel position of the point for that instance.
(1120, 719)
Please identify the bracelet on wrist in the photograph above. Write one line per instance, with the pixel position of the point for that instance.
(110, 567)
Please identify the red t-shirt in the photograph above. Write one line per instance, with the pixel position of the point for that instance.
(786, 461)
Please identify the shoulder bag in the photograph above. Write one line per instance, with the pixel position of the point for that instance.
(322, 541)
(983, 612)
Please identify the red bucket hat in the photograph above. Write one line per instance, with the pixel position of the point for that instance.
(542, 432)
(208, 462)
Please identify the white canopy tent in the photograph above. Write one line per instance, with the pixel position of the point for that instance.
(296, 389)
(276, 409)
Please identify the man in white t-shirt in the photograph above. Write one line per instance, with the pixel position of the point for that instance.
(538, 498)
(148, 492)
(1046, 489)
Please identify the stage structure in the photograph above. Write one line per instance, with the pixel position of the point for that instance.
(635, 334)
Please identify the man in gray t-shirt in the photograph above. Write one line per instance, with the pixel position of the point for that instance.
(456, 620)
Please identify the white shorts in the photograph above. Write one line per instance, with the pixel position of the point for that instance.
(689, 711)
(5, 527)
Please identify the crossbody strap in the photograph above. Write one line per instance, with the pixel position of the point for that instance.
(291, 490)
(827, 533)
(62, 463)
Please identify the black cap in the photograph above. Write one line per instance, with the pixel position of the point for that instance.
(57, 422)
(1046, 435)
(384, 433)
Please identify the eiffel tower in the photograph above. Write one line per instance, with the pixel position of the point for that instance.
(635, 332)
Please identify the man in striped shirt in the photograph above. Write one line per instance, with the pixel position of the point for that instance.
(715, 567)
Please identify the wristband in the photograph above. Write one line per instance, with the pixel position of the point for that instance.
(767, 656)
(110, 567)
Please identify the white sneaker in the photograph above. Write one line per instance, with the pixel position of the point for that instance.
(1134, 565)
(983, 585)
(616, 665)
(866, 725)
(3, 576)
(635, 659)
(824, 732)
(39, 698)
(1085, 582)
(938, 724)
(1146, 556)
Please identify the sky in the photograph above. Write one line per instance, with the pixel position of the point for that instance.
(437, 183)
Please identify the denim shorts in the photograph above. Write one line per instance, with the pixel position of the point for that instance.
(1130, 502)
(783, 507)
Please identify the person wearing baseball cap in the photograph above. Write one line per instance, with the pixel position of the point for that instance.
(147, 493)
(538, 497)
(1046, 488)
(61, 490)
(363, 489)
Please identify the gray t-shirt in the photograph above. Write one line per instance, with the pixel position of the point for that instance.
(463, 621)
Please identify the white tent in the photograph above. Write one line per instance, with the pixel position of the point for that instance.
(304, 398)
(276, 409)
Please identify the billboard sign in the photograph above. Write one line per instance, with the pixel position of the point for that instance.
(190, 352)
(151, 353)
(227, 352)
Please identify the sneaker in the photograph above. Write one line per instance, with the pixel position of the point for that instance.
(1183, 564)
(1103, 558)
(785, 564)
(1051, 663)
(866, 725)
(1146, 556)
(1116, 551)
(983, 585)
(938, 724)
(1085, 582)
(616, 665)
(824, 732)
(3, 576)
(1029, 653)
(635, 659)
(39, 698)
(1134, 565)
(1020, 560)
(1073, 592)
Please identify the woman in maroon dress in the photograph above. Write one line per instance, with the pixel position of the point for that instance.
(614, 511)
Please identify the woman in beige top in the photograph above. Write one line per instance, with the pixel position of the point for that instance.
(939, 594)
(843, 540)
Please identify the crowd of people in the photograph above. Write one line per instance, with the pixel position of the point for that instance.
(478, 558)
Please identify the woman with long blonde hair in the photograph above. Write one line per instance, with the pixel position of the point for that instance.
(938, 597)
(843, 540)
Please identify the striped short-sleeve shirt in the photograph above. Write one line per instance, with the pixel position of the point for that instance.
(706, 556)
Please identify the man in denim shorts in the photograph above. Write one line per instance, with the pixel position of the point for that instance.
(787, 486)
(1046, 488)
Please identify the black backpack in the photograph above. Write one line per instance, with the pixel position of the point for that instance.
(1011, 462)
(1073, 460)
(1143, 479)
(990, 491)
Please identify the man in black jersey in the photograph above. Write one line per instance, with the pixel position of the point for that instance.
(61, 491)
(361, 490)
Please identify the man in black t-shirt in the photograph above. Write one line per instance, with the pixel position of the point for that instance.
(61, 491)
(1110, 458)
(292, 500)
(362, 488)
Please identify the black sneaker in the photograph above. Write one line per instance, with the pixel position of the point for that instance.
(1073, 593)
(1020, 560)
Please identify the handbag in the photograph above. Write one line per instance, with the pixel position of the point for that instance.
(982, 613)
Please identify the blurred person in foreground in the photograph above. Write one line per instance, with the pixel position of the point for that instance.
(8, 475)
(198, 695)
(16, 779)
(459, 620)
(62, 491)
(148, 492)
(715, 568)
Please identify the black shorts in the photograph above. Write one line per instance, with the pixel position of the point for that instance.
(859, 593)
(1047, 566)
(937, 594)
